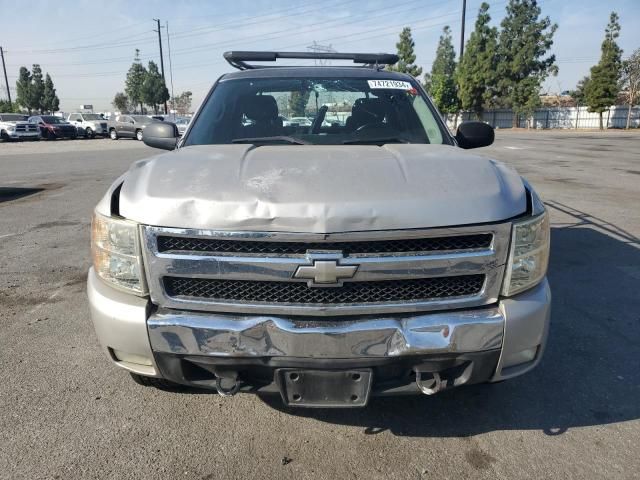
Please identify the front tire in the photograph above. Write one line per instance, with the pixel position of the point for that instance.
(89, 133)
(113, 134)
(139, 135)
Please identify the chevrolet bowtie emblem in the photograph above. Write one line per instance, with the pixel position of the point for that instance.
(328, 273)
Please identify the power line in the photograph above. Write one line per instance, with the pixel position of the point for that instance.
(287, 32)
(232, 24)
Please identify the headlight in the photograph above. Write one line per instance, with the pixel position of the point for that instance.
(529, 254)
(115, 248)
(11, 128)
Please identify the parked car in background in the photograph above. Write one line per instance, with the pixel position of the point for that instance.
(182, 124)
(14, 126)
(129, 126)
(91, 124)
(297, 121)
(52, 127)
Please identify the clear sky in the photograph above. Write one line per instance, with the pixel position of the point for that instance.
(87, 46)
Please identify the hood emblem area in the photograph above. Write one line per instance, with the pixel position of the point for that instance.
(325, 270)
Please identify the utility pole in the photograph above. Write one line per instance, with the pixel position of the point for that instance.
(170, 66)
(6, 81)
(464, 11)
(161, 58)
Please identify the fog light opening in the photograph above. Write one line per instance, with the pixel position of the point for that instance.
(519, 358)
(132, 358)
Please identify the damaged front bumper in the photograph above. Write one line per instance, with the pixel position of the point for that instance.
(198, 349)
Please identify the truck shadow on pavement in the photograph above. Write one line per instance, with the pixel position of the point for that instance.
(590, 374)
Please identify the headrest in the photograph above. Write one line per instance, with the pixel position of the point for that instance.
(259, 107)
(372, 107)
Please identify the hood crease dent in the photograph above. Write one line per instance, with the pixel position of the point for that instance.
(320, 188)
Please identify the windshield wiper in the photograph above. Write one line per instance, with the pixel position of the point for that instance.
(376, 141)
(275, 138)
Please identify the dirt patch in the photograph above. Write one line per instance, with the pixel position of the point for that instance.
(9, 299)
(59, 223)
(479, 459)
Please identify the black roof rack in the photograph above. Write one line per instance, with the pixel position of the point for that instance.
(238, 59)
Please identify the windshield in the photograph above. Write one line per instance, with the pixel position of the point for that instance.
(51, 119)
(12, 117)
(327, 111)
(142, 119)
(92, 116)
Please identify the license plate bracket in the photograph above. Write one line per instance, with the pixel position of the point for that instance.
(324, 388)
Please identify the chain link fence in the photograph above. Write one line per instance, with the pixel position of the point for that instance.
(560, 117)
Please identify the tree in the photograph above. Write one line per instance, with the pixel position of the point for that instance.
(603, 88)
(522, 66)
(36, 92)
(182, 103)
(298, 102)
(476, 74)
(405, 48)
(23, 89)
(7, 107)
(135, 78)
(120, 102)
(154, 91)
(579, 94)
(631, 82)
(441, 82)
(50, 101)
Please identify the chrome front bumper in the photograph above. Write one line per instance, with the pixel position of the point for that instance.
(24, 135)
(224, 335)
(516, 326)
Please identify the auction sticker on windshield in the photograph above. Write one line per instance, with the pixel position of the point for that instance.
(396, 84)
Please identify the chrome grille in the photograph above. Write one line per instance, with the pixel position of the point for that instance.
(423, 289)
(407, 246)
(255, 272)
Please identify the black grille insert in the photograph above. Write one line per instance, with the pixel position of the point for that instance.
(410, 246)
(250, 291)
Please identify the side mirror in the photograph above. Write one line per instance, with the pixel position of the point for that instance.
(474, 135)
(161, 135)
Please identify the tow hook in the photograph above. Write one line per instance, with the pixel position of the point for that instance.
(227, 385)
(430, 385)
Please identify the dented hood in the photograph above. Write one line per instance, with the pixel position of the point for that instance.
(320, 188)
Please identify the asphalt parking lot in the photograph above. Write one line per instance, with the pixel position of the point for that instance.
(66, 413)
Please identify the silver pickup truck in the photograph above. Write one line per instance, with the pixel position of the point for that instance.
(323, 263)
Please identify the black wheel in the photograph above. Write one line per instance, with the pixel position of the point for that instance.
(113, 134)
(4, 136)
(89, 133)
(139, 135)
(159, 383)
